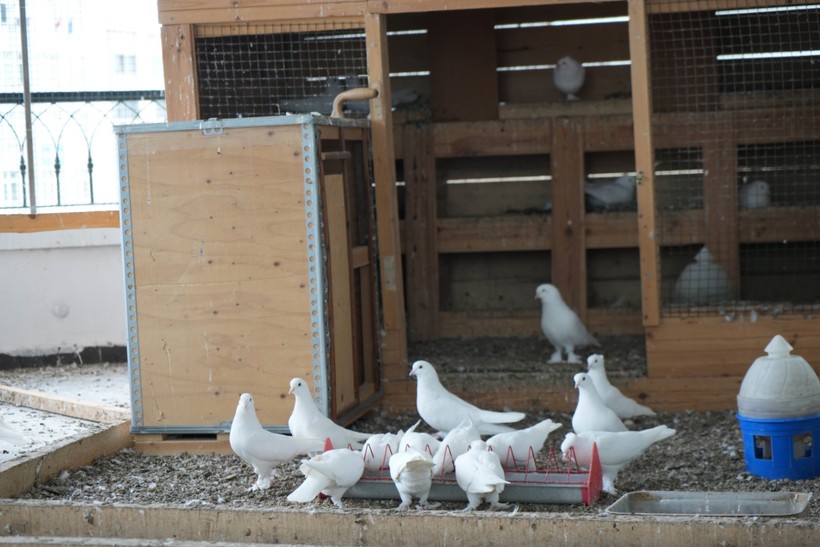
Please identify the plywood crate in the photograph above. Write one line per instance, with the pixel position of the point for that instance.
(248, 262)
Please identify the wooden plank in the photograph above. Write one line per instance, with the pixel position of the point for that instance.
(222, 271)
(594, 109)
(720, 204)
(394, 338)
(415, 6)
(569, 231)
(172, 12)
(218, 525)
(18, 477)
(463, 75)
(492, 138)
(179, 67)
(644, 163)
(615, 230)
(215, 30)
(342, 371)
(493, 234)
(712, 346)
(49, 402)
(47, 222)
(421, 245)
(168, 445)
(667, 6)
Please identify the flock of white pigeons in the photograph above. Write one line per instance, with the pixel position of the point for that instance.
(340, 457)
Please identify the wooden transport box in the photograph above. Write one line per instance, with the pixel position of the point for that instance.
(248, 261)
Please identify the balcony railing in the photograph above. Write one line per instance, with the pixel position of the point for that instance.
(74, 147)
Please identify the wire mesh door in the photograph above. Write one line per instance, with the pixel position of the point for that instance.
(267, 69)
(736, 118)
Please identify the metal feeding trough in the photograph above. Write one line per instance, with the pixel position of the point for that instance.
(556, 484)
(712, 504)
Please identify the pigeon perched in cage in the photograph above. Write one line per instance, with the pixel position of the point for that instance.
(703, 281)
(306, 420)
(9, 434)
(480, 475)
(615, 449)
(444, 411)
(612, 397)
(331, 473)
(754, 195)
(518, 449)
(561, 325)
(412, 473)
(419, 440)
(378, 448)
(568, 77)
(612, 194)
(591, 414)
(454, 444)
(261, 449)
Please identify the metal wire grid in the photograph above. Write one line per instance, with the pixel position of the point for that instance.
(735, 96)
(266, 70)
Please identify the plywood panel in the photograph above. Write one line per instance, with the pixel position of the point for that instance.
(221, 272)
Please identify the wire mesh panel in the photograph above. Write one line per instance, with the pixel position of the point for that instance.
(737, 135)
(264, 70)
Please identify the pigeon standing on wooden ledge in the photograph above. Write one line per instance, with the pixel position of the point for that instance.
(306, 420)
(480, 475)
(568, 77)
(561, 325)
(263, 449)
(444, 411)
(331, 473)
(591, 414)
(612, 397)
(615, 449)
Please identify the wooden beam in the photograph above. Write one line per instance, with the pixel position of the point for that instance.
(179, 66)
(55, 404)
(720, 205)
(219, 525)
(394, 339)
(665, 6)
(492, 138)
(174, 12)
(644, 162)
(167, 445)
(58, 221)
(16, 478)
(415, 6)
(569, 232)
(421, 248)
(493, 234)
(710, 345)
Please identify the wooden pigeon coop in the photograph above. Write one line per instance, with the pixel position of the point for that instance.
(480, 164)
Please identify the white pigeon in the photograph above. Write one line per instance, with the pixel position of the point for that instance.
(568, 77)
(591, 414)
(611, 194)
(703, 281)
(419, 440)
(480, 475)
(9, 434)
(454, 444)
(518, 449)
(615, 449)
(263, 449)
(412, 473)
(444, 411)
(331, 473)
(561, 326)
(754, 195)
(612, 397)
(307, 420)
(378, 448)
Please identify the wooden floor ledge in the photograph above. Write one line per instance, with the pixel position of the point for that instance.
(30, 518)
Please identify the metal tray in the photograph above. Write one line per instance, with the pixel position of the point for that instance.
(713, 504)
